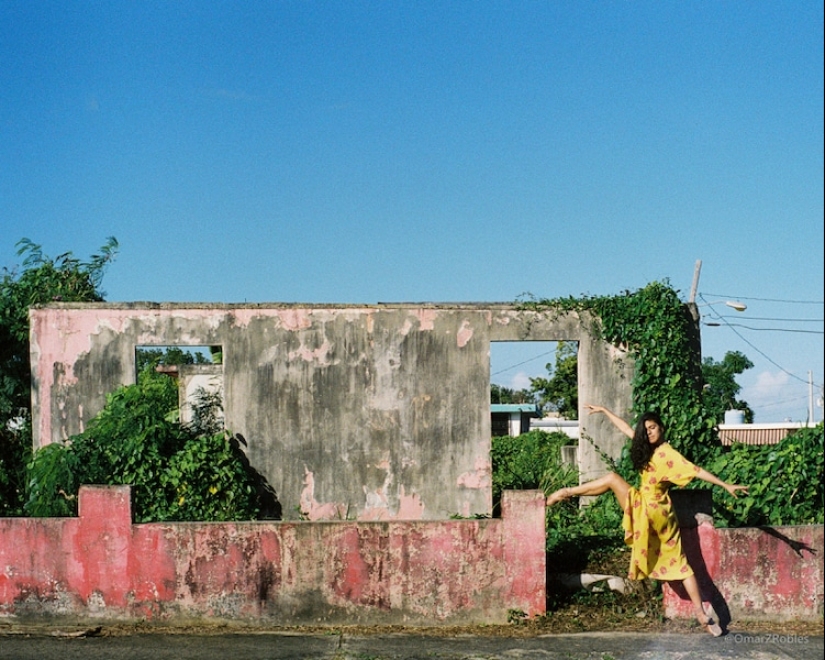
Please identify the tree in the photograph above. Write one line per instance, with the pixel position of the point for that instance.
(176, 471)
(560, 392)
(42, 280)
(501, 394)
(720, 388)
(167, 355)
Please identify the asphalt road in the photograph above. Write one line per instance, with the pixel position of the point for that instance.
(285, 646)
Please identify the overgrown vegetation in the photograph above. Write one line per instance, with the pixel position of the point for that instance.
(785, 482)
(529, 461)
(533, 460)
(177, 472)
(656, 331)
(42, 280)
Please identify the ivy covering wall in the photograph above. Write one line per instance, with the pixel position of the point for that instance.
(654, 326)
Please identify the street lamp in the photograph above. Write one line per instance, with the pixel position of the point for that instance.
(733, 304)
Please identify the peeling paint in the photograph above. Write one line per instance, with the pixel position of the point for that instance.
(294, 319)
(314, 510)
(465, 334)
(410, 507)
(480, 477)
(764, 575)
(409, 572)
(426, 318)
(318, 355)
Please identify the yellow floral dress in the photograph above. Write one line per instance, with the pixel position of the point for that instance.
(650, 525)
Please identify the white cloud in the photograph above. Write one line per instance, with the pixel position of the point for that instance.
(769, 383)
(521, 381)
(765, 391)
(773, 397)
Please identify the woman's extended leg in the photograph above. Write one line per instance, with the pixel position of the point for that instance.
(610, 481)
(692, 587)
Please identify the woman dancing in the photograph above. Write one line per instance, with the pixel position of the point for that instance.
(650, 524)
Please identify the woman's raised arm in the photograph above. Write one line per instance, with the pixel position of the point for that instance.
(617, 421)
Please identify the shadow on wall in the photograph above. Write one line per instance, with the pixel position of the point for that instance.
(707, 587)
(267, 497)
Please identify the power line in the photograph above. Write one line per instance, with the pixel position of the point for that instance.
(748, 327)
(779, 300)
(513, 366)
(771, 318)
(739, 334)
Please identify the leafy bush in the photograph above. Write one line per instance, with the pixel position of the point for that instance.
(531, 460)
(176, 473)
(785, 482)
(42, 280)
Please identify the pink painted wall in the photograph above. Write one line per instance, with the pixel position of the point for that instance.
(100, 565)
(754, 573)
(411, 572)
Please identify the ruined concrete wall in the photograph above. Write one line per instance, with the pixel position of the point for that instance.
(350, 412)
(101, 566)
(754, 573)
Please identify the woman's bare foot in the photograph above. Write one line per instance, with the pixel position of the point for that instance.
(711, 623)
(558, 496)
(713, 627)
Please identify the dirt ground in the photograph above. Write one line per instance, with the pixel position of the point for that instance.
(575, 619)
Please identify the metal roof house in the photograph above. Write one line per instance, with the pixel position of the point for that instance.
(758, 434)
(512, 418)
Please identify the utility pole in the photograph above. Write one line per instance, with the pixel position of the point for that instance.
(695, 285)
(810, 397)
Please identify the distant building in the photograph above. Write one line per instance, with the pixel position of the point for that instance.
(758, 434)
(517, 418)
(553, 423)
(512, 418)
(734, 430)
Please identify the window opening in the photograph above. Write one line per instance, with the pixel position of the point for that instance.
(533, 384)
(198, 371)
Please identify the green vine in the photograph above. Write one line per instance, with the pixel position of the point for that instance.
(653, 326)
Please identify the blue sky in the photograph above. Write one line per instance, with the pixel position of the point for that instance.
(357, 152)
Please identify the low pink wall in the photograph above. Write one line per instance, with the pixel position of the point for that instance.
(100, 565)
(403, 572)
(754, 573)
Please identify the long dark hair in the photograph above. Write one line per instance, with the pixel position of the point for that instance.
(641, 450)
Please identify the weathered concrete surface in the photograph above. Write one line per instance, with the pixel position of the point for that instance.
(100, 565)
(412, 646)
(754, 573)
(377, 412)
